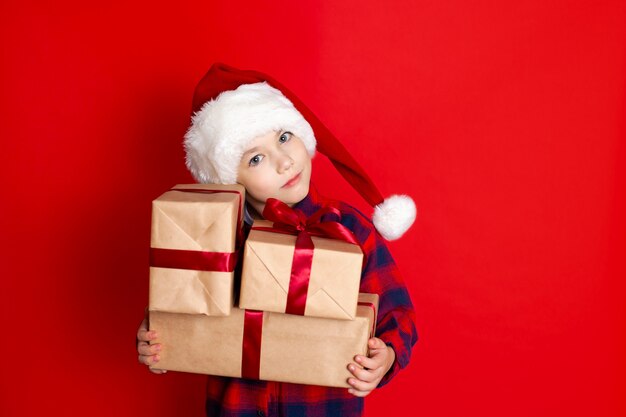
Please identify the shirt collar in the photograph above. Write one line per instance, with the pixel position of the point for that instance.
(247, 217)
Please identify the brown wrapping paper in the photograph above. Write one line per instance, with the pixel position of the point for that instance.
(197, 222)
(297, 349)
(334, 280)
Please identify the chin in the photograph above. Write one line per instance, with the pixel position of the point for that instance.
(296, 195)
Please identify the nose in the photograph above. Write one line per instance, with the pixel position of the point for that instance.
(284, 162)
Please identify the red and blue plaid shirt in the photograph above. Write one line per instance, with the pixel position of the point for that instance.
(395, 326)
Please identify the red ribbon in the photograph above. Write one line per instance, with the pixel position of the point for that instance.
(251, 346)
(199, 260)
(192, 259)
(300, 274)
(373, 307)
(252, 336)
(293, 221)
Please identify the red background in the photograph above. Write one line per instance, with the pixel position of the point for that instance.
(504, 120)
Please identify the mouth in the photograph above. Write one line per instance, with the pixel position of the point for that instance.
(293, 181)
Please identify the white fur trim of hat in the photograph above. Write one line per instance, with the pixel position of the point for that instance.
(223, 128)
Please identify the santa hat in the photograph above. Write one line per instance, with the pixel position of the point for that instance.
(231, 107)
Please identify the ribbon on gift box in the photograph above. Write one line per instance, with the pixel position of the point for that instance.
(294, 222)
(251, 346)
(200, 260)
(373, 307)
(253, 335)
(193, 259)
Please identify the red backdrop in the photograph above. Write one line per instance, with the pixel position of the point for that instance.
(504, 120)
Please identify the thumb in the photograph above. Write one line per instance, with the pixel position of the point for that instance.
(375, 343)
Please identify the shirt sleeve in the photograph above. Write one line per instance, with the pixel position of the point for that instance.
(396, 315)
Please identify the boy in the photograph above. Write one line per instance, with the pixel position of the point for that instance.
(245, 129)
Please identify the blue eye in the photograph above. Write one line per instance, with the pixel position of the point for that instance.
(255, 160)
(285, 137)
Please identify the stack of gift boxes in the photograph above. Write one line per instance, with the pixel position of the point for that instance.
(296, 314)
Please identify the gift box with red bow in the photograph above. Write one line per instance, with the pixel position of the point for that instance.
(196, 231)
(302, 266)
(266, 346)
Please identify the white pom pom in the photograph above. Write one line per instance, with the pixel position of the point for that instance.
(394, 216)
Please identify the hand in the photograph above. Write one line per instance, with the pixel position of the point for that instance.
(148, 354)
(372, 369)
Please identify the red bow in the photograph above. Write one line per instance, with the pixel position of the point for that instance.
(293, 221)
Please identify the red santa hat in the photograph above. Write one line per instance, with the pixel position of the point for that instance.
(231, 107)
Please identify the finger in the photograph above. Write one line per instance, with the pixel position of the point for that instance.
(144, 335)
(148, 359)
(374, 362)
(151, 360)
(142, 326)
(145, 359)
(146, 349)
(376, 343)
(357, 393)
(361, 385)
(363, 374)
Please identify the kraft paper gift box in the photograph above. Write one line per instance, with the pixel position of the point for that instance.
(267, 346)
(193, 241)
(333, 282)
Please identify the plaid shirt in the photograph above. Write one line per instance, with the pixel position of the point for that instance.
(395, 326)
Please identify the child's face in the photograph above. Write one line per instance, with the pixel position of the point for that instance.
(275, 165)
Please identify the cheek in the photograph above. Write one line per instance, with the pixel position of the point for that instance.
(304, 156)
(260, 190)
(258, 184)
(307, 163)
